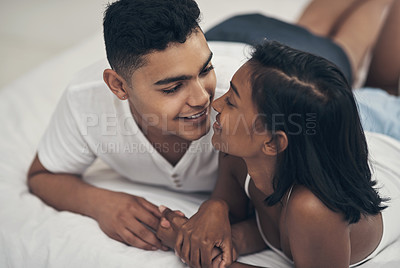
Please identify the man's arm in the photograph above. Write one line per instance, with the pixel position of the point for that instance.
(121, 216)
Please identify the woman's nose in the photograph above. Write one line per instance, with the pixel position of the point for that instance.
(217, 104)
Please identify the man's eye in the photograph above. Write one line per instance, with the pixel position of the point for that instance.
(207, 70)
(172, 90)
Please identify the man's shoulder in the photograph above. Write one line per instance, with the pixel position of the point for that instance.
(90, 77)
(87, 86)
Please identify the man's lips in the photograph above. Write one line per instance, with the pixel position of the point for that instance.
(195, 116)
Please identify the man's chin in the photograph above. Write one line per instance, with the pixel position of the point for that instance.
(197, 134)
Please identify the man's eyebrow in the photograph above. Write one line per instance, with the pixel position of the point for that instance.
(172, 79)
(169, 80)
(235, 89)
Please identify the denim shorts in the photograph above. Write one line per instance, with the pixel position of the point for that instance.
(379, 111)
(254, 28)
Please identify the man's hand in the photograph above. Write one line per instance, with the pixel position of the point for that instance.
(129, 219)
(123, 217)
(208, 228)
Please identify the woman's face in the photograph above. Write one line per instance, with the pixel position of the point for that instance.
(234, 130)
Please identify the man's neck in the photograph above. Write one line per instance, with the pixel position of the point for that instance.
(171, 147)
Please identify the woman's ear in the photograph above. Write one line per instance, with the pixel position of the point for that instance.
(278, 143)
(116, 83)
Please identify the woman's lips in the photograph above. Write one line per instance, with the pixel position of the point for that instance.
(217, 125)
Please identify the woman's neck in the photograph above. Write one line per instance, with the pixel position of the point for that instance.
(262, 170)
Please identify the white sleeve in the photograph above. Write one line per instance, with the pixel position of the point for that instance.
(63, 148)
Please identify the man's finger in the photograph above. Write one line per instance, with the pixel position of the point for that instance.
(139, 230)
(180, 213)
(148, 219)
(150, 207)
(132, 240)
(165, 223)
(175, 219)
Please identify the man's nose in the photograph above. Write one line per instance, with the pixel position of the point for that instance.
(199, 96)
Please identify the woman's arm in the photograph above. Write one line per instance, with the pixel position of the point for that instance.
(246, 238)
(229, 187)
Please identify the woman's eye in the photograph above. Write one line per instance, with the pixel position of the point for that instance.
(228, 102)
(207, 70)
(172, 90)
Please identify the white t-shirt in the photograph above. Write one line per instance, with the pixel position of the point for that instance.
(90, 121)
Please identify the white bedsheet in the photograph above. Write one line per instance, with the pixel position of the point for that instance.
(33, 234)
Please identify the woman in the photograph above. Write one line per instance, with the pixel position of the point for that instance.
(292, 118)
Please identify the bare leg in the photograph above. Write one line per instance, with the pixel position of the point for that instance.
(385, 65)
(359, 32)
(321, 16)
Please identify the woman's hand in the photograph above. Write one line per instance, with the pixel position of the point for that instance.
(167, 231)
(197, 237)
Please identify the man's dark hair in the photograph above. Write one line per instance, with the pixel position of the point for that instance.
(308, 98)
(134, 28)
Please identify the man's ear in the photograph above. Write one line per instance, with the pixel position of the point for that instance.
(278, 143)
(116, 83)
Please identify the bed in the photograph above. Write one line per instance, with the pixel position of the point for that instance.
(33, 234)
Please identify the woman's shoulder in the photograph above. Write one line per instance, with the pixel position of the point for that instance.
(314, 231)
(304, 208)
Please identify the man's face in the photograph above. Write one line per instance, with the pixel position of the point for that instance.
(171, 94)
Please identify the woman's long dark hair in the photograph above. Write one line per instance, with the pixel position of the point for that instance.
(309, 99)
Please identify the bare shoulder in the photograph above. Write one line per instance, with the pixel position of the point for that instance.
(306, 208)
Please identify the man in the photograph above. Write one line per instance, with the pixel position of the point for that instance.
(151, 126)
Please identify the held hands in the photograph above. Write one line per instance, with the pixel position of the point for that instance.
(202, 241)
(167, 231)
(128, 219)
